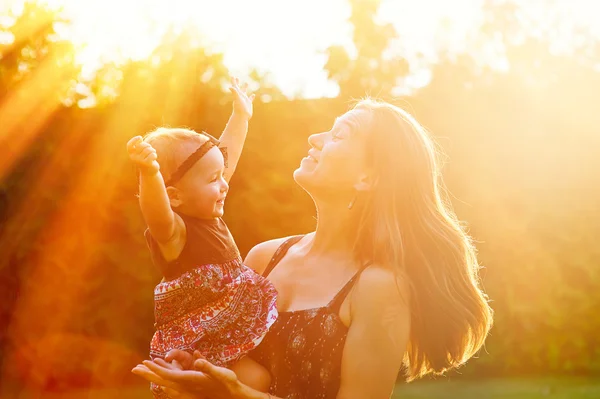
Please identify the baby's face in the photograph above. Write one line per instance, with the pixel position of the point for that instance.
(203, 188)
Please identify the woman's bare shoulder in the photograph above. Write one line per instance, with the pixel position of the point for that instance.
(379, 283)
(259, 256)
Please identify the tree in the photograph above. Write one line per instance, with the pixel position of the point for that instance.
(371, 71)
(34, 42)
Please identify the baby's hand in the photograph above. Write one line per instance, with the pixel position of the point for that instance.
(143, 155)
(242, 103)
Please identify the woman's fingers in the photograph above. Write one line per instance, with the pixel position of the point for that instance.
(177, 376)
(219, 373)
(173, 365)
(147, 374)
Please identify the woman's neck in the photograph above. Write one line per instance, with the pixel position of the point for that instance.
(335, 230)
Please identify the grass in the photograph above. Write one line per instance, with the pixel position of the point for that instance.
(506, 388)
(514, 388)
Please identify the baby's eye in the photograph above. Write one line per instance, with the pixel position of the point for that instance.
(214, 179)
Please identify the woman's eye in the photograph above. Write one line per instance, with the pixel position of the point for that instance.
(339, 133)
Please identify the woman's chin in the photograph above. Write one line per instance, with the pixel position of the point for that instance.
(306, 180)
(301, 176)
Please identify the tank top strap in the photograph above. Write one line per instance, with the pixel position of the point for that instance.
(280, 253)
(338, 299)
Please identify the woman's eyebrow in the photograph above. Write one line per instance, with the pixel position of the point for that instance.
(341, 121)
(347, 122)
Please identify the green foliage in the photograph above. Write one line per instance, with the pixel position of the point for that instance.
(369, 70)
(34, 43)
(523, 168)
(547, 388)
(514, 388)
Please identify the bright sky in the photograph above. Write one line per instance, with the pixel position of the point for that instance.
(283, 37)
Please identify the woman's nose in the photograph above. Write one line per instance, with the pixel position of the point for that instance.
(316, 140)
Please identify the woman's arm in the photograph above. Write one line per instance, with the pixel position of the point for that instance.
(234, 135)
(377, 337)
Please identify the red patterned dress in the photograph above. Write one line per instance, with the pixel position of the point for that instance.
(209, 301)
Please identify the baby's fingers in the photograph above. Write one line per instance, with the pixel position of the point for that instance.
(133, 143)
(146, 150)
(149, 158)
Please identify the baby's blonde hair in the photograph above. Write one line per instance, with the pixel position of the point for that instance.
(172, 146)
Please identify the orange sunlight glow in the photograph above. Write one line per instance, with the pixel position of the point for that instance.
(286, 37)
(267, 34)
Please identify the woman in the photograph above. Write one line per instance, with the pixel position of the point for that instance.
(389, 279)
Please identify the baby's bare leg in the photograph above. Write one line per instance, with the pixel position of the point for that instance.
(252, 374)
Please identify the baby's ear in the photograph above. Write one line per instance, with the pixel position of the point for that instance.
(174, 196)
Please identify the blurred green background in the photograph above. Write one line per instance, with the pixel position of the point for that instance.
(522, 152)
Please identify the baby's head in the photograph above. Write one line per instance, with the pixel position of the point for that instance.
(192, 166)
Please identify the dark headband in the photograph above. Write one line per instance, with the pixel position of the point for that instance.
(192, 159)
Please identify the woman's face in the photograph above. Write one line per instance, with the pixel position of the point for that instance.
(335, 164)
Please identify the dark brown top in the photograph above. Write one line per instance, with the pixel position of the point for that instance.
(208, 241)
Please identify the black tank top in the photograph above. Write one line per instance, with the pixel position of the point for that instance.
(303, 348)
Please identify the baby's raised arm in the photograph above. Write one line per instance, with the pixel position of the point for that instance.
(166, 227)
(234, 134)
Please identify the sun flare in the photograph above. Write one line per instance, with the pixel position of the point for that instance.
(286, 38)
(264, 34)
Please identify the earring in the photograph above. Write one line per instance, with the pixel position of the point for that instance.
(351, 204)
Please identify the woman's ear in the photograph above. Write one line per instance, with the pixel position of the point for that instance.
(366, 182)
(174, 196)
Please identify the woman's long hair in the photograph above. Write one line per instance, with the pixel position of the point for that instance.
(407, 221)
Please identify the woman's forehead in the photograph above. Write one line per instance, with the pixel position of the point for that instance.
(355, 115)
(354, 118)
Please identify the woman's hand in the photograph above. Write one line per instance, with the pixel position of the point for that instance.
(176, 359)
(173, 390)
(206, 380)
(242, 103)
